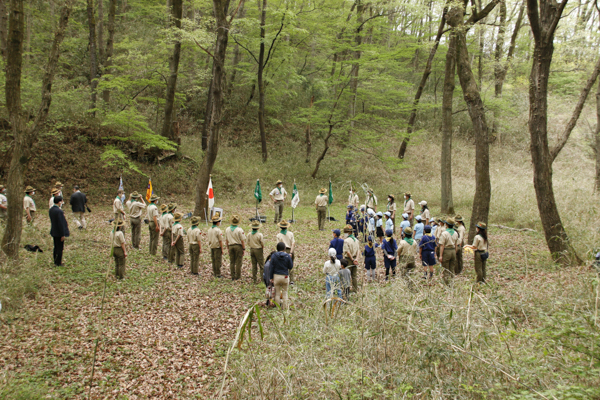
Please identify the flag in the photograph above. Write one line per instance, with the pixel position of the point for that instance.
(295, 197)
(257, 191)
(211, 194)
(149, 191)
(121, 183)
(330, 193)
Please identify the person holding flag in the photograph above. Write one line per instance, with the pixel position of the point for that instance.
(278, 195)
(321, 207)
(153, 224)
(257, 195)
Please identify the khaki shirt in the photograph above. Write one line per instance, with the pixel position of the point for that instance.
(287, 239)
(168, 221)
(409, 206)
(405, 249)
(29, 203)
(215, 237)
(136, 208)
(371, 201)
(353, 200)
(234, 237)
(117, 238)
(177, 231)
(426, 215)
(461, 235)
(277, 195)
(255, 241)
(321, 201)
(352, 246)
(152, 212)
(449, 242)
(117, 205)
(479, 243)
(392, 208)
(438, 232)
(194, 235)
(161, 221)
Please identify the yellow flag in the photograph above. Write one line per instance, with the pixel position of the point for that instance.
(149, 191)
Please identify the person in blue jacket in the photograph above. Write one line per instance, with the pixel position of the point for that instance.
(427, 252)
(351, 219)
(390, 254)
(338, 244)
(370, 260)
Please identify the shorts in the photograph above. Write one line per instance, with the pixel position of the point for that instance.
(428, 258)
(370, 263)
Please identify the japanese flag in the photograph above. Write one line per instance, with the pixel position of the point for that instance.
(211, 194)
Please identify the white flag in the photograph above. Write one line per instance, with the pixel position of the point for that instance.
(211, 194)
(295, 197)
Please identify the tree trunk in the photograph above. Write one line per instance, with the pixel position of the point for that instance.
(446, 162)
(101, 30)
(236, 53)
(597, 139)
(309, 133)
(208, 113)
(261, 85)
(3, 28)
(23, 137)
(360, 8)
(110, 27)
(217, 87)
(413, 114)
(176, 15)
(483, 189)
(93, 53)
(324, 152)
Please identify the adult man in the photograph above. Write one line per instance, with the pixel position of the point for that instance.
(195, 246)
(409, 207)
(287, 238)
(136, 205)
(166, 245)
(460, 228)
(351, 252)
(215, 242)
(448, 242)
(153, 225)
(168, 224)
(236, 243)
(59, 186)
(371, 200)
(321, 207)
(256, 244)
(53, 194)
(78, 203)
(278, 195)
(59, 230)
(3, 202)
(117, 240)
(29, 204)
(353, 198)
(118, 209)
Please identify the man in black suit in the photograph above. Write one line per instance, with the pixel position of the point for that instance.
(78, 203)
(59, 229)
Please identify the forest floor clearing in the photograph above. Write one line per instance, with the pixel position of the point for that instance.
(165, 333)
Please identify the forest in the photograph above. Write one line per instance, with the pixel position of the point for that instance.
(487, 109)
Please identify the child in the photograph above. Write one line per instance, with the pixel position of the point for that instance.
(404, 224)
(433, 225)
(267, 281)
(351, 218)
(177, 240)
(427, 252)
(379, 226)
(117, 239)
(215, 242)
(390, 252)
(332, 279)
(407, 250)
(419, 228)
(345, 279)
(256, 244)
(338, 244)
(362, 220)
(371, 226)
(389, 222)
(425, 214)
(370, 260)
(195, 248)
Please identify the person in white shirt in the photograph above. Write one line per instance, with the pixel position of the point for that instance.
(278, 195)
(3, 202)
(332, 279)
(54, 193)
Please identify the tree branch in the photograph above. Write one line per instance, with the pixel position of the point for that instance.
(476, 17)
(206, 51)
(273, 42)
(245, 48)
(534, 19)
(561, 8)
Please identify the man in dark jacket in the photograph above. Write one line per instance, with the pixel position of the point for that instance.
(59, 229)
(281, 264)
(78, 203)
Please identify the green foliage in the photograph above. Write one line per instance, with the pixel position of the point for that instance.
(113, 157)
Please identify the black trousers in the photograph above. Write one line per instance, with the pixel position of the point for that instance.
(59, 245)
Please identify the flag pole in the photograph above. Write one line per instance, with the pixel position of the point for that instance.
(257, 218)
(205, 218)
(328, 213)
(293, 206)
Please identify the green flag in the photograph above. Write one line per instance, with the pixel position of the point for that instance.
(330, 193)
(295, 197)
(257, 191)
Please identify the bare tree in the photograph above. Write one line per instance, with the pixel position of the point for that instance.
(92, 47)
(176, 15)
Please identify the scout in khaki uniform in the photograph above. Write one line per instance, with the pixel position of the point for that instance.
(257, 245)
(53, 193)
(136, 206)
(153, 224)
(409, 207)
(321, 207)
(118, 207)
(371, 200)
(117, 239)
(480, 245)
(353, 199)
(165, 239)
(438, 233)
(351, 252)
(407, 250)
(168, 221)
(278, 196)
(236, 242)
(177, 240)
(287, 238)
(59, 186)
(29, 204)
(460, 228)
(425, 213)
(391, 207)
(195, 245)
(448, 241)
(215, 242)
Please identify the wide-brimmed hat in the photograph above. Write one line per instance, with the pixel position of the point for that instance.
(278, 182)
(135, 195)
(29, 189)
(482, 225)
(458, 218)
(177, 217)
(255, 224)
(118, 222)
(322, 191)
(235, 219)
(283, 224)
(422, 203)
(154, 198)
(450, 221)
(195, 220)
(216, 218)
(392, 196)
(54, 191)
(408, 231)
(348, 229)
(58, 184)
(163, 208)
(407, 194)
(172, 207)
(438, 220)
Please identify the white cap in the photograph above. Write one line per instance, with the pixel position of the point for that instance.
(418, 218)
(405, 215)
(362, 207)
(422, 203)
(370, 211)
(389, 214)
(432, 220)
(380, 214)
(332, 252)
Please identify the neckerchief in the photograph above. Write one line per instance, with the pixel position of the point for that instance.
(389, 238)
(254, 231)
(370, 244)
(194, 226)
(233, 227)
(428, 234)
(27, 195)
(352, 236)
(279, 189)
(409, 240)
(215, 226)
(450, 231)
(284, 232)
(164, 213)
